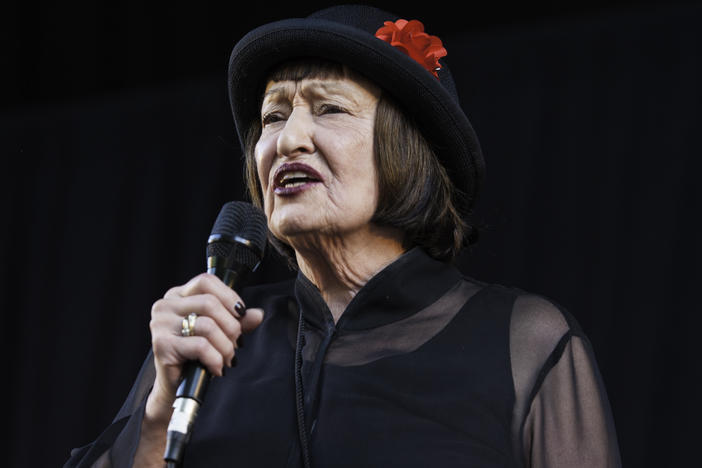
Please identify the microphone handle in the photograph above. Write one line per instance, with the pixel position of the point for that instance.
(192, 388)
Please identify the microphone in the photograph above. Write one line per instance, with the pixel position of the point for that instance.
(234, 249)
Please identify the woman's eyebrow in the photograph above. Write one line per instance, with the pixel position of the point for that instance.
(274, 93)
(309, 89)
(329, 89)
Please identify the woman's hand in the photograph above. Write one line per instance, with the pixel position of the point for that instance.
(222, 317)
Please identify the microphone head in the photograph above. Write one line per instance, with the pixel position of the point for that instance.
(239, 234)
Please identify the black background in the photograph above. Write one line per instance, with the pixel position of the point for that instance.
(118, 151)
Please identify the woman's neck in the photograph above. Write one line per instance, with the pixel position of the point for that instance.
(340, 266)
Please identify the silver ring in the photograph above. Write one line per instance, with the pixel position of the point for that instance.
(188, 325)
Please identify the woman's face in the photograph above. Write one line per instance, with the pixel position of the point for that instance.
(315, 156)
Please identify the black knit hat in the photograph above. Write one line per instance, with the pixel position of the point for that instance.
(346, 34)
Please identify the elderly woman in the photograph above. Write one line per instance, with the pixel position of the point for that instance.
(379, 352)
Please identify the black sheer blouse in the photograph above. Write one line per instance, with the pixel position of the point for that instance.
(424, 368)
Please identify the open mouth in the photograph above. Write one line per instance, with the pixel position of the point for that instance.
(291, 178)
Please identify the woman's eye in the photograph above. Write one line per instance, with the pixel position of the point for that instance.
(270, 118)
(330, 109)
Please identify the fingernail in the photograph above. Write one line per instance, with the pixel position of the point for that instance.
(240, 309)
(240, 341)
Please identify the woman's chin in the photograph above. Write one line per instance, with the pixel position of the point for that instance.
(290, 227)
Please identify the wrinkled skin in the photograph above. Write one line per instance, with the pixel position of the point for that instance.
(327, 126)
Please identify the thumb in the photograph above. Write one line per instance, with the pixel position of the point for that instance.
(251, 319)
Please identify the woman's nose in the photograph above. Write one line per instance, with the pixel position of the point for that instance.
(297, 136)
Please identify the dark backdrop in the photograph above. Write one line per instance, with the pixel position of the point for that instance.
(118, 151)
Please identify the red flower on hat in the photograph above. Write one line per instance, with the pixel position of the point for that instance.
(410, 38)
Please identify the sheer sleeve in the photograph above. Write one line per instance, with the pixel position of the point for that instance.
(116, 446)
(562, 416)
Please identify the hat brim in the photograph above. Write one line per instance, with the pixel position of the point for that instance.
(437, 113)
